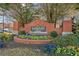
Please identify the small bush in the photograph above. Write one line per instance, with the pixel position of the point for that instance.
(53, 34)
(64, 51)
(69, 40)
(6, 38)
(22, 33)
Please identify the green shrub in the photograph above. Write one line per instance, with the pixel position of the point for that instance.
(22, 36)
(22, 33)
(33, 37)
(59, 41)
(6, 38)
(64, 51)
(53, 34)
(69, 40)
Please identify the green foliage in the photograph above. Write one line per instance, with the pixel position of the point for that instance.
(64, 51)
(6, 38)
(22, 33)
(53, 34)
(76, 27)
(23, 14)
(62, 10)
(33, 37)
(72, 40)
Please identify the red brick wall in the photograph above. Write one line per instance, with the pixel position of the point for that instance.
(49, 26)
(67, 26)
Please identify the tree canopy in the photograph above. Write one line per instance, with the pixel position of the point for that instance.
(23, 13)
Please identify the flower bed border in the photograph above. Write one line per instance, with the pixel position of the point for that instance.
(28, 41)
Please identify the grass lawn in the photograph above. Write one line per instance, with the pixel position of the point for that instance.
(16, 49)
(21, 52)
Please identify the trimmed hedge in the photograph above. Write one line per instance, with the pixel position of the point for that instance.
(33, 37)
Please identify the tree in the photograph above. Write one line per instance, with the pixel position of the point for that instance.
(22, 13)
(57, 10)
(3, 13)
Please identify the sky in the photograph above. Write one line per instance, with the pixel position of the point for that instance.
(6, 19)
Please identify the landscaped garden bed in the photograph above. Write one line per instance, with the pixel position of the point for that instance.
(32, 39)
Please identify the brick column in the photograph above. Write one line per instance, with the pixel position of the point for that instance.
(67, 26)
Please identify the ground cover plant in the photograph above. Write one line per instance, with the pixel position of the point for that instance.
(67, 45)
(21, 52)
(33, 37)
(65, 51)
(64, 46)
(69, 40)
